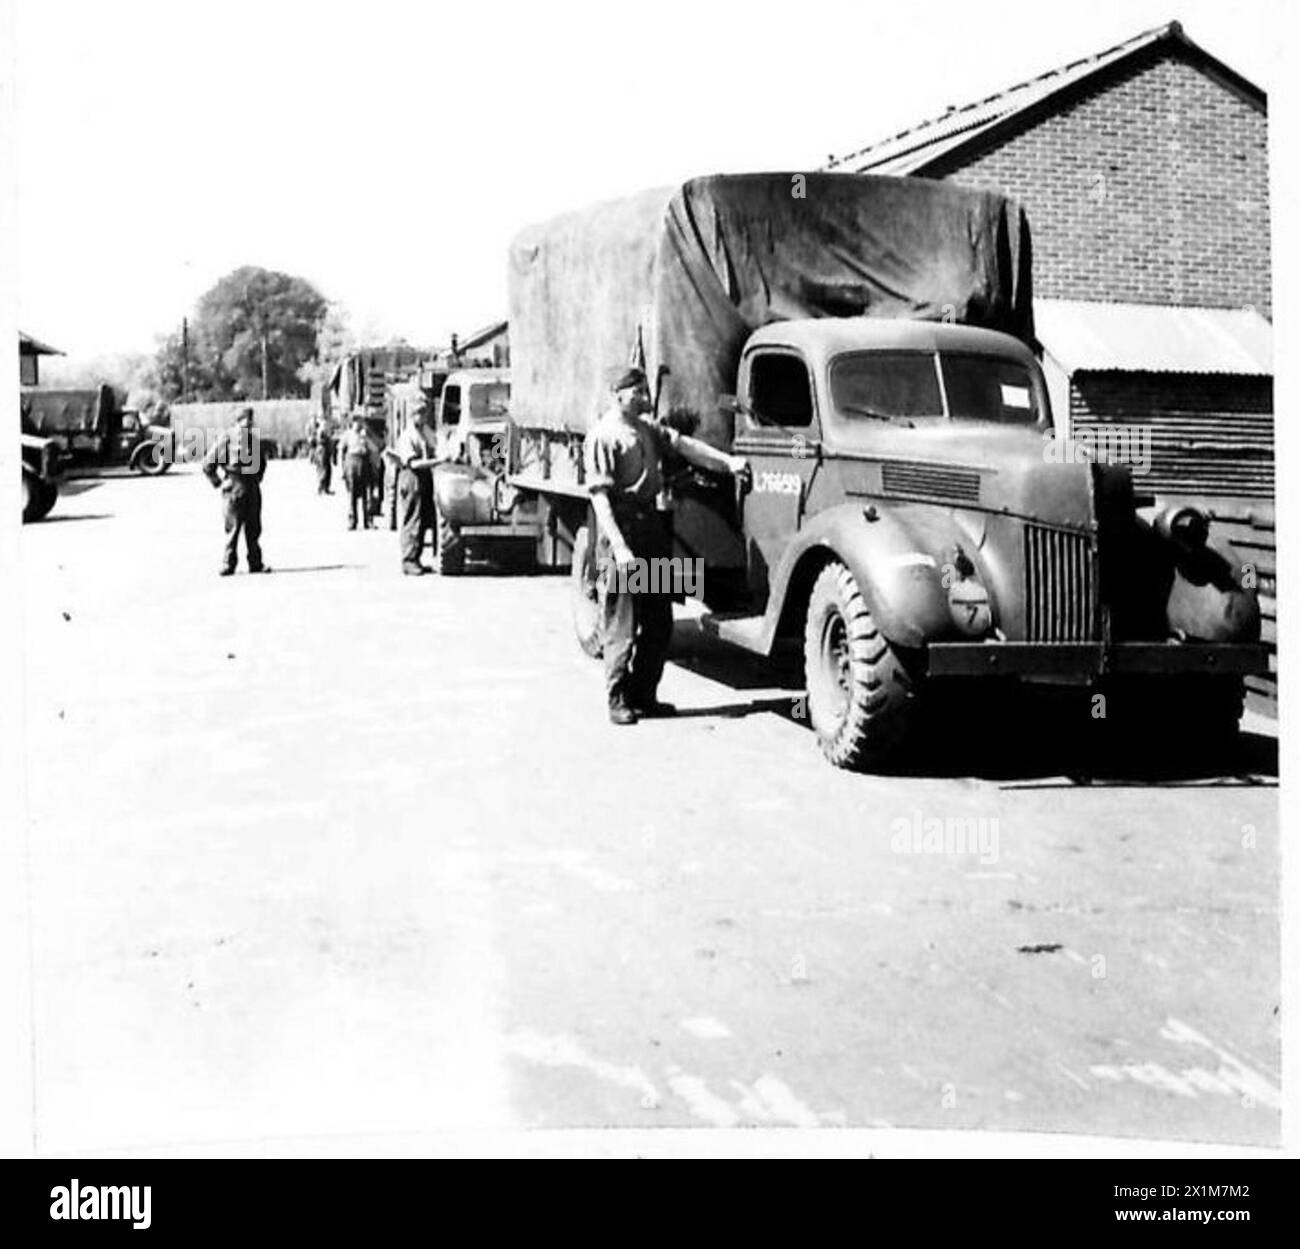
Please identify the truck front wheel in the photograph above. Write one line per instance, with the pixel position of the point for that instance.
(860, 694)
(38, 497)
(585, 595)
(48, 495)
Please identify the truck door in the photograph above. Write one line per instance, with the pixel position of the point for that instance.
(777, 429)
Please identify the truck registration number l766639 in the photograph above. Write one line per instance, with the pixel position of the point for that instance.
(778, 483)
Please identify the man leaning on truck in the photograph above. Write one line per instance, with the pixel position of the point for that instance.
(625, 476)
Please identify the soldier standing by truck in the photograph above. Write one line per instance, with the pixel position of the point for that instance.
(355, 454)
(416, 458)
(625, 477)
(235, 465)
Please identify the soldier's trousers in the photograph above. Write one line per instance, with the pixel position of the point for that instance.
(415, 512)
(324, 470)
(243, 514)
(637, 623)
(356, 478)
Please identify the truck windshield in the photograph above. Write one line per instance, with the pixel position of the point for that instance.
(907, 385)
(489, 400)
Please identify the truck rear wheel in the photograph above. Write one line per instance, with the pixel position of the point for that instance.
(860, 695)
(151, 460)
(585, 595)
(449, 546)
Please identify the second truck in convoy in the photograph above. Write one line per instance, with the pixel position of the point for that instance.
(867, 344)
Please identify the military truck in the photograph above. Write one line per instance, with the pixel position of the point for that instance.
(93, 429)
(476, 506)
(42, 467)
(867, 343)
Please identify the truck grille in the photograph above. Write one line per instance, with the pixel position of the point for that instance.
(1060, 586)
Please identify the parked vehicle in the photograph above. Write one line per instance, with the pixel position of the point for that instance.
(42, 468)
(91, 429)
(474, 501)
(866, 344)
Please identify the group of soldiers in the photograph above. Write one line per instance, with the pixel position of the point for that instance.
(236, 464)
(362, 464)
(624, 471)
(408, 467)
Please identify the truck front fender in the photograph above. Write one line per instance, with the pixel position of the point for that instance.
(463, 494)
(900, 580)
(1207, 598)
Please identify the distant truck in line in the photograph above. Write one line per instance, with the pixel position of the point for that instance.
(867, 344)
(92, 429)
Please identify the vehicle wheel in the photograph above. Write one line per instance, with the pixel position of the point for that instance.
(31, 498)
(449, 546)
(149, 462)
(860, 695)
(47, 495)
(584, 595)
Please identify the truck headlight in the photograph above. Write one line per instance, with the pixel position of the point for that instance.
(969, 606)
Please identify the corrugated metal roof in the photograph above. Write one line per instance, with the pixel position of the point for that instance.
(1150, 338)
(920, 145)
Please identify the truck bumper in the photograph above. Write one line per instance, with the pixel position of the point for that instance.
(1082, 663)
(530, 528)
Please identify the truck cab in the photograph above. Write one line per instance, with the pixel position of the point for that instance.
(913, 518)
(476, 507)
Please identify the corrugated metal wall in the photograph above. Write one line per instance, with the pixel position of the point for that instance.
(1211, 444)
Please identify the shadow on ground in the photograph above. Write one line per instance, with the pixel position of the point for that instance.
(995, 732)
(58, 519)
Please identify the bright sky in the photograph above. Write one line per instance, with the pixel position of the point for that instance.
(388, 152)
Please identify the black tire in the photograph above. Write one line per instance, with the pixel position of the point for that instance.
(31, 498)
(150, 461)
(47, 496)
(860, 694)
(584, 596)
(448, 546)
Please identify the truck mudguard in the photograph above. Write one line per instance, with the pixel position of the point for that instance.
(899, 578)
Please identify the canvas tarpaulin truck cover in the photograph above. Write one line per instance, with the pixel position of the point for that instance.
(682, 276)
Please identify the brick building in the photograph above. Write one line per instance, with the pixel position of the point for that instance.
(1144, 171)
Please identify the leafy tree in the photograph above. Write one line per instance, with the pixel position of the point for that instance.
(251, 333)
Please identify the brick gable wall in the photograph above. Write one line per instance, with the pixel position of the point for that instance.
(1154, 189)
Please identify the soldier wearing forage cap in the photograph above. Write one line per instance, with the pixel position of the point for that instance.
(236, 465)
(625, 476)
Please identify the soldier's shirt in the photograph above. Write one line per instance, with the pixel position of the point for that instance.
(413, 445)
(625, 459)
(238, 454)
